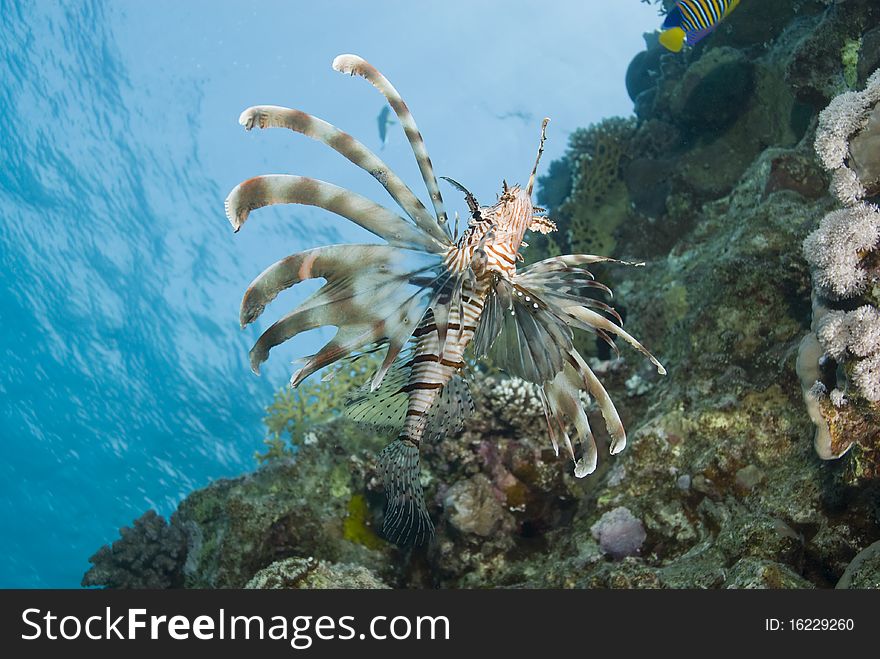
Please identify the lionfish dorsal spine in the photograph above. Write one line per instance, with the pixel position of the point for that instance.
(273, 116)
(355, 65)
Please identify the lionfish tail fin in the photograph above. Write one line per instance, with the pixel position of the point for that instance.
(407, 521)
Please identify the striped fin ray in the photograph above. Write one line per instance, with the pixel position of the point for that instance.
(351, 336)
(355, 65)
(580, 316)
(531, 339)
(371, 292)
(531, 342)
(549, 281)
(489, 327)
(272, 189)
(571, 261)
(446, 287)
(563, 406)
(272, 116)
(448, 296)
(613, 424)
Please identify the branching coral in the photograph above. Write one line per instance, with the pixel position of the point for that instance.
(294, 412)
(855, 331)
(866, 375)
(512, 400)
(843, 255)
(838, 247)
(149, 554)
(846, 116)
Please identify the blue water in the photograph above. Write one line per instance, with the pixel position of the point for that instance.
(124, 382)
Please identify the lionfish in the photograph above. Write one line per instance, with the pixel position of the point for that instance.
(426, 297)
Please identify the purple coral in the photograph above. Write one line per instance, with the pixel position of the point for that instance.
(149, 554)
(619, 533)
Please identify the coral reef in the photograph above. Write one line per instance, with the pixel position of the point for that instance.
(593, 202)
(150, 554)
(720, 486)
(294, 412)
(308, 573)
(850, 120)
(837, 250)
(843, 253)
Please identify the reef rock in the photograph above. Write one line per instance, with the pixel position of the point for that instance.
(756, 573)
(473, 507)
(864, 571)
(308, 573)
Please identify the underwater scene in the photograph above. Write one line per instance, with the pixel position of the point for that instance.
(613, 322)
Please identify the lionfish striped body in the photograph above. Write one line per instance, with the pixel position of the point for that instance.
(429, 297)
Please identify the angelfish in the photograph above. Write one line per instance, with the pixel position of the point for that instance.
(430, 297)
(692, 20)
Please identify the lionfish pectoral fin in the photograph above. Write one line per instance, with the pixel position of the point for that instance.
(531, 340)
(407, 521)
(383, 407)
(272, 189)
(563, 406)
(273, 116)
(593, 320)
(399, 328)
(613, 424)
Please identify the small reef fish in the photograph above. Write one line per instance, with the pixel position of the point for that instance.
(384, 120)
(692, 20)
(431, 297)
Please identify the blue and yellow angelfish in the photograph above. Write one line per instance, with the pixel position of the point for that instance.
(691, 20)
